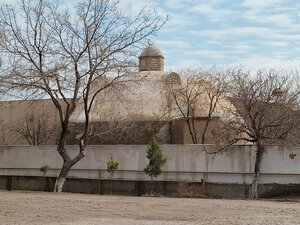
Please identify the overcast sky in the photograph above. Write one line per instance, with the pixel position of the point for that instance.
(249, 33)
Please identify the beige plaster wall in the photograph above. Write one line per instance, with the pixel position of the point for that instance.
(13, 113)
(279, 164)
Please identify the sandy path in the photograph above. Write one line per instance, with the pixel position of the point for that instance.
(65, 209)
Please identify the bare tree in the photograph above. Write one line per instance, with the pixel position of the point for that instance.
(36, 128)
(198, 95)
(116, 132)
(267, 108)
(183, 98)
(216, 84)
(70, 55)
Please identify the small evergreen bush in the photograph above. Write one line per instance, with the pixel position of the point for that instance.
(156, 161)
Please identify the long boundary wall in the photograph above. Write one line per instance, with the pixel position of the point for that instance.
(231, 167)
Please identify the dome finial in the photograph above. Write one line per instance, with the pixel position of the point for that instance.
(150, 43)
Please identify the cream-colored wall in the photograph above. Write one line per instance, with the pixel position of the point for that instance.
(279, 164)
(142, 97)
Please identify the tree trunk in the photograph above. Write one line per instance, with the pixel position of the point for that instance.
(192, 131)
(259, 153)
(203, 136)
(67, 165)
(60, 180)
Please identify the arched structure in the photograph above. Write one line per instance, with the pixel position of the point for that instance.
(173, 79)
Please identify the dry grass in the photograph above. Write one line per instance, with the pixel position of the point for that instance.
(42, 208)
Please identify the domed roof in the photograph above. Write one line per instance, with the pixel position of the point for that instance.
(151, 51)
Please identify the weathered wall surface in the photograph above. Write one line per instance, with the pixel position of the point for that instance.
(13, 115)
(122, 132)
(180, 132)
(280, 164)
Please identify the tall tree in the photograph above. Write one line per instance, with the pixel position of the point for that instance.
(70, 55)
(215, 87)
(267, 112)
(198, 95)
(184, 97)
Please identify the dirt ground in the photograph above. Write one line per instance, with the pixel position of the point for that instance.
(66, 209)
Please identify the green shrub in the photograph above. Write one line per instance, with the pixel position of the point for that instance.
(112, 166)
(44, 169)
(156, 161)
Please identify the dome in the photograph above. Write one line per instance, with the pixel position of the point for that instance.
(151, 51)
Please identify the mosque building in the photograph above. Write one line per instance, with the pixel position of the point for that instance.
(139, 112)
(146, 110)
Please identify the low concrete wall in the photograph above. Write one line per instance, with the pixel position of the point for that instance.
(138, 188)
(94, 186)
(234, 166)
